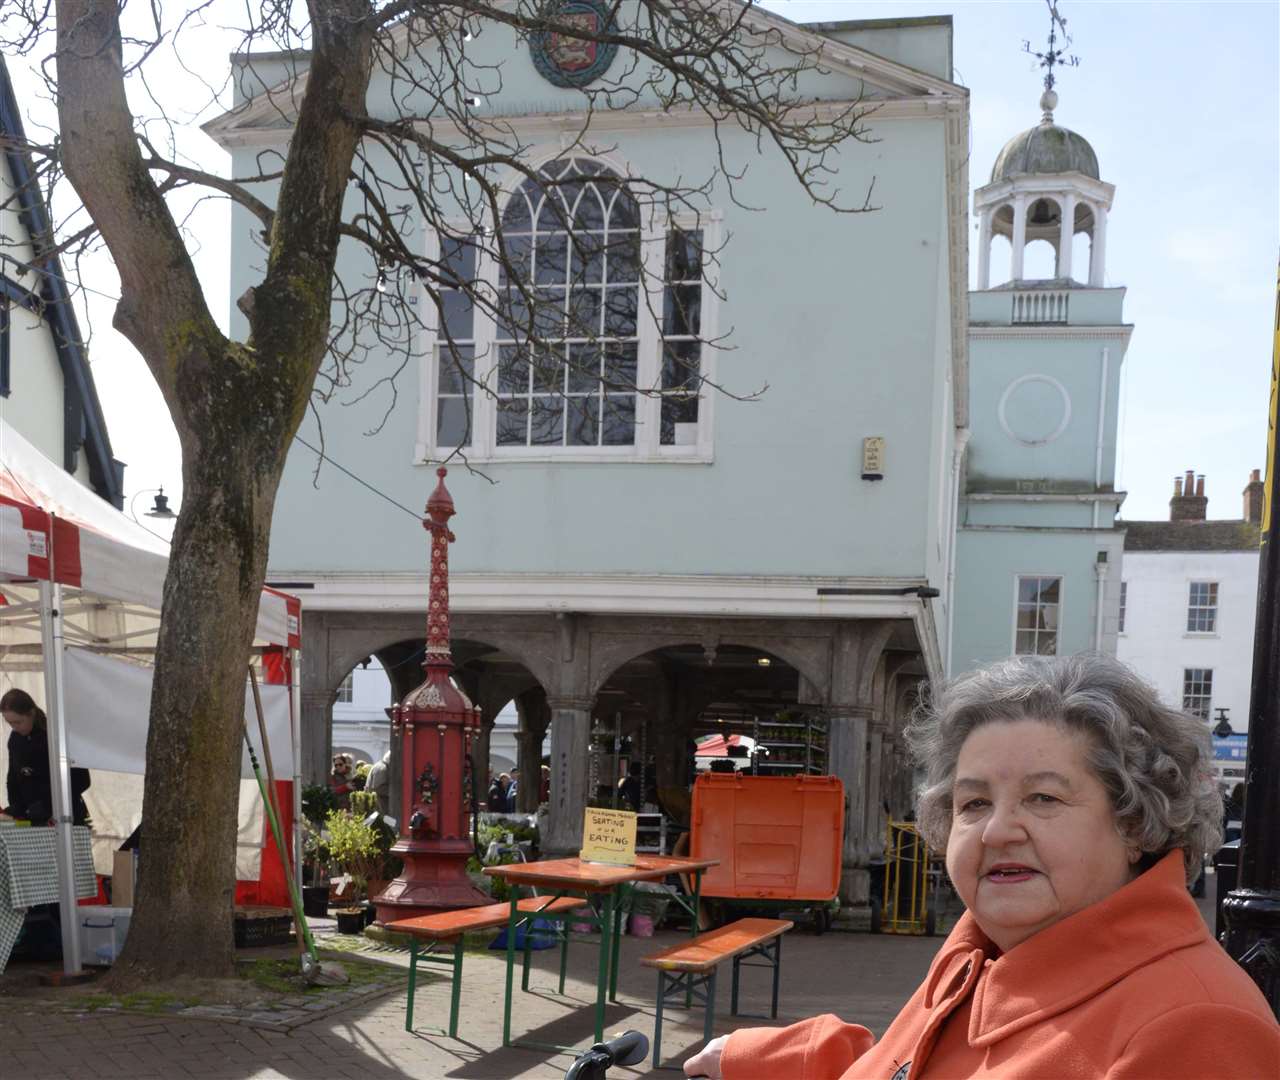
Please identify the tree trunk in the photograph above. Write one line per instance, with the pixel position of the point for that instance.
(186, 875)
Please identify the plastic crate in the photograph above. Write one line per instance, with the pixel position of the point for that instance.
(258, 927)
(102, 932)
(777, 837)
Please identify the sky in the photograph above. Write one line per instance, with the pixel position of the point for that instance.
(1180, 101)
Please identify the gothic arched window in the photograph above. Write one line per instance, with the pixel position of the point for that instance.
(594, 298)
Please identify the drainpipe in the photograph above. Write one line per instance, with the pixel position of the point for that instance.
(957, 461)
(1102, 430)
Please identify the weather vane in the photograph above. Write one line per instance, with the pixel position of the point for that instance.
(1054, 56)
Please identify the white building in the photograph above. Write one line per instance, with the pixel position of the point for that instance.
(47, 394)
(1189, 593)
(703, 556)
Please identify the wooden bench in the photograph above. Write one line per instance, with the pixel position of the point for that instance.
(689, 969)
(450, 926)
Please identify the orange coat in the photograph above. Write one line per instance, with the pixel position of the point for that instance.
(1132, 988)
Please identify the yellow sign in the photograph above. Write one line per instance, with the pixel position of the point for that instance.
(609, 836)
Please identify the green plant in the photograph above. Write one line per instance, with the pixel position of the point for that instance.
(318, 802)
(357, 848)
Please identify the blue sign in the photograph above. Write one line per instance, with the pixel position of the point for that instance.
(1232, 748)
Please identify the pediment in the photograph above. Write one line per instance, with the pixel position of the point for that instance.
(504, 66)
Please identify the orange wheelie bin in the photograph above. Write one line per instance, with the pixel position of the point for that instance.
(778, 839)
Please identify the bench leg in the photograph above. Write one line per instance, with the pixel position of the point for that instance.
(606, 955)
(777, 972)
(413, 979)
(528, 948)
(513, 920)
(456, 996)
(657, 1019)
(564, 951)
(733, 996)
(617, 940)
(709, 1021)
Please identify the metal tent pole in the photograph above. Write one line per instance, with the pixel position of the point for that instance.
(295, 729)
(60, 768)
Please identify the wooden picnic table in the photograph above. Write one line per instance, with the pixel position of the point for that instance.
(574, 877)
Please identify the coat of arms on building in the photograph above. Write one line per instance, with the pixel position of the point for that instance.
(570, 61)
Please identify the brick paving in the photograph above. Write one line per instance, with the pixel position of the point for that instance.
(857, 975)
(861, 977)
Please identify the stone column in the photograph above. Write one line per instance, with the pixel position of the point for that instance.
(570, 736)
(847, 759)
(984, 250)
(873, 830)
(317, 735)
(1066, 234)
(1019, 237)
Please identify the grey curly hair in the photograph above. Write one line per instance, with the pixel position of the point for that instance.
(1154, 761)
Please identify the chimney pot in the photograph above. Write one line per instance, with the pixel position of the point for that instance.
(1188, 502)
(1254, 494)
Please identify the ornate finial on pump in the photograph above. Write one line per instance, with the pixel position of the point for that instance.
(439, 511)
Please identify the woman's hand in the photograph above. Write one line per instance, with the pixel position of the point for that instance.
(706, 1062)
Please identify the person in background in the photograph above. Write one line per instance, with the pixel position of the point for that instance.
(512, 790)
(379, 782)
(631, 787)
(496, 799)
(544, 790)
(29, 785)
(341, 780)
(1073, 807)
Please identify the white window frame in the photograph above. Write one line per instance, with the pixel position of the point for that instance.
(1062, 593)
(647, 448)
(1208, 708)
(347, 685)
(1215, 607)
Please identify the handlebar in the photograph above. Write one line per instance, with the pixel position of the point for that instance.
(629, 1048)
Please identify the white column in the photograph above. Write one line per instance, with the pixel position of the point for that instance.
(1098, 251)
(984, 250)
(1019, 236)
(1066, 235)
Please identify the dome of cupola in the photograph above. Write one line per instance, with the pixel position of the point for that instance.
(1045, 148)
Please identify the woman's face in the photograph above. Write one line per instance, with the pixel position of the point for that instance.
(20, 723)
(1033, 837)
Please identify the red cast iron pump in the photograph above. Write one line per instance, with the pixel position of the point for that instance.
(438, 724)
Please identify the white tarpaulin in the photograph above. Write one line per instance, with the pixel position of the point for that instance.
(109, 700)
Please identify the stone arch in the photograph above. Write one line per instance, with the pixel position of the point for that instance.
(609, 656)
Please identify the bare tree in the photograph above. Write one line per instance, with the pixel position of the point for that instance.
(381, 171)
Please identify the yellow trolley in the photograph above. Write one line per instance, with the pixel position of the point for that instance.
(906, 906)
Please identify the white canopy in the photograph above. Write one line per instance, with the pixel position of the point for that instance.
(74, 571)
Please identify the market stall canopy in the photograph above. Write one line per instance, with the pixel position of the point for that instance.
(723, 746)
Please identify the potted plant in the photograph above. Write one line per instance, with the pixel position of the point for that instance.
(356, 848)
(318, 801)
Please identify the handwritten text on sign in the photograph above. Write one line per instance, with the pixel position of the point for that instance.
(609, 836)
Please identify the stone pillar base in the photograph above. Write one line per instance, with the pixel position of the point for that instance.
(855, 886)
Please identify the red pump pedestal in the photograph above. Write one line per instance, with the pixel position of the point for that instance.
(438, 724)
